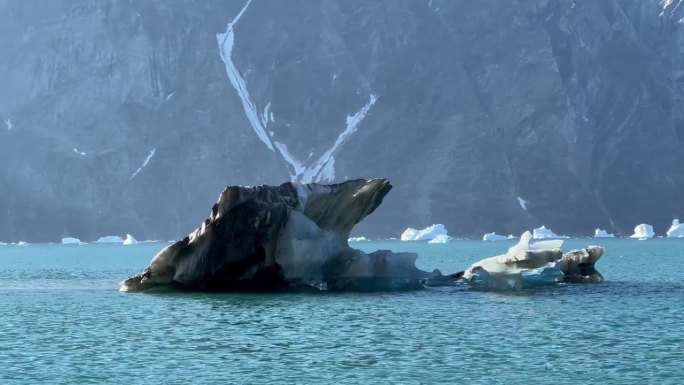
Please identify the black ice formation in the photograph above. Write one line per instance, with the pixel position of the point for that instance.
(285, 237)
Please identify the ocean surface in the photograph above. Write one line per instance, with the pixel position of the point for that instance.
(62, 321)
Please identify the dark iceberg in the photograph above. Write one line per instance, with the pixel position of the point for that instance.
(294, 237)
(287, 237)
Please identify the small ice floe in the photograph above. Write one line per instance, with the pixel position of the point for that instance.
(358, 239)
(3, 244)
(129, 240)
(442, 238)
(425, 234)
(676, 230)
(71, 241)
(110, 239)
(544, 233)
(598, 233)
(494, 237)
(21, 243)
(643, 231)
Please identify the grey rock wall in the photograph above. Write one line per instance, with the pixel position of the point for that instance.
(576, 107)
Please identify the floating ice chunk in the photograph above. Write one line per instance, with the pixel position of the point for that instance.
(511, 236)
(71, 241)
(358, 239)
(643, 231)
(3, 244)
(598, 233)
(110, 239)
(544, 233)
(522, 203)
(129, 240)
(494, 237)
(442, 238)
(21, 243)
(676, 230)
(425, 234)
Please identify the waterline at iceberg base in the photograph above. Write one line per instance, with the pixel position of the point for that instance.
(295, 237)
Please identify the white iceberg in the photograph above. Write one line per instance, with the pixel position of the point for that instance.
(425, 234)
(643, 231)
(442, 238)
(110, 239)
(71, 241)
(544, 233)
(494, 237)
(21, 243)
(3, 244)
(129, 240)
(534, 264)
(358, 239)
(598, 233)
(676, 230)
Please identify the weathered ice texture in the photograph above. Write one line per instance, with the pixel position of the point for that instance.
(533, 264)
(125, 116)
(278, 238)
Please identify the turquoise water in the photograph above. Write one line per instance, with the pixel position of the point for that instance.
(62, 320)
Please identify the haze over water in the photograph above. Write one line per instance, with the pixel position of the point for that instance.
(63, 321)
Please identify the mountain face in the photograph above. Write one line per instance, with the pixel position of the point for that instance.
(131, 117)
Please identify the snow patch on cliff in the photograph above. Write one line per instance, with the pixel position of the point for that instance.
(226, 41)
(8, 123)
(144, 163)
(522, 203)
(314, 172)
(297, 166)
(79, 152)
(323, 169)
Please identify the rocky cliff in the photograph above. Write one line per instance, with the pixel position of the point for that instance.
(130, 117)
